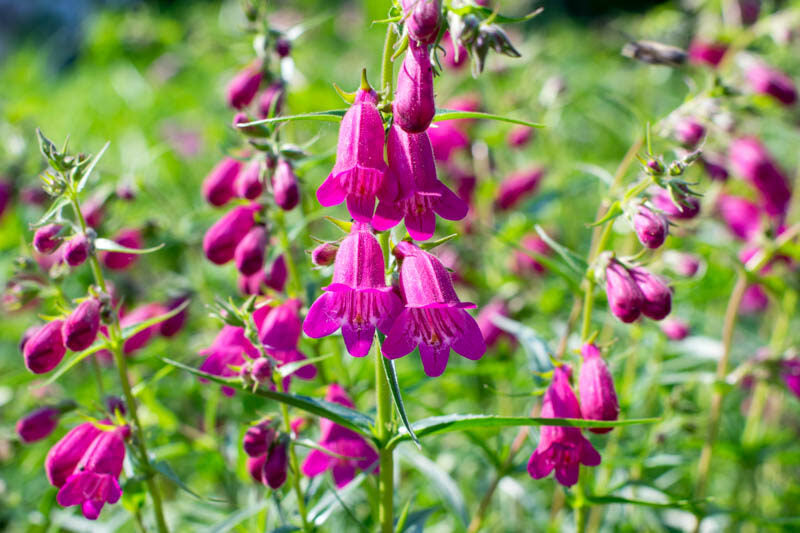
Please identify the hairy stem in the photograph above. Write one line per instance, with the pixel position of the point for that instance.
(383, 402)
(387, 70)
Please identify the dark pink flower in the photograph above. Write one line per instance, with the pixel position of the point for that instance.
(129, 238)
(27, 195)
(136, 316)
(81, 326)
(228, 350)
(687, 265)
(76, 251)
(414, 105)
(46, 239)
(517, 187)
(749, 11)
(324, 254)
(45, 349)
(652, 228)
(359, 175)
(562, 449)
(243, 87)
(93, 212)
(258, 439)
(447, 139)
(751, 160)
(279, 327)
(283, 47)
(490, 331)
(6, 191)
(687, 207)
(689, 132)
(625, 300)
(422, 196)
(422, 18)
(596, 387)
(358, 300)
(38, 424)
(675, 329)
(343, 442)
(742, 216)
(707, 52)
(523, 263)
(64, 456)
(454, 58)
(766, 80)
(277, 274)
(715, 166)
(434, 318)
(790, 374)
(219, 185)
(268, 460)
(249, 253)
(270, 102)
(285, 187)
(754, 300)
(519, 136)
(656, 300)
(221, 239)
(172, 326)
(248, 182)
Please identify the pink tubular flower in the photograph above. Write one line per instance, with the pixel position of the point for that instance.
(687, 208)
(228, 349)
(38, 424)
(675, 329)
(742, 216)
(715, 167)
(434, 318)
(707, 52)
(561, 448)
(136, 316)
(625, 300)
(243, 87)
(45, 349)
(447, 139)
(93, 212)
(279, 327)
(129, 238)
(766, 80)
(343, 442)
(754, 300)
(248, 182)
(523, 263)
(490, 331)
(652, 228)
(357, 300)
(249, 253)
(285, 186)
(271, 100)
(421, 193)
(267, 461)
(422, 19)
(689, 132)
(518, 186)
(221, 239)
(751, 160)
(656, 296)
(76, 251)
(218, 187)
(46, 238)
(519, 136)
(596, 387)
(277, 274)
(359, 175)
(95, 480)
(171, 326)
(414, 105)
(81, 327)
(790, 374)
(64, 456)
(6, 191)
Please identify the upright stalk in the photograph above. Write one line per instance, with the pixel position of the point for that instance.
(382, 422)
(298, 491)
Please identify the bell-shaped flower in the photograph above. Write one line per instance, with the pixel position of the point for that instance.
(221, 239)
(129, 238)
(624, 297)
(562, 449)
(248, 183)
(656, 296)
(434, 318)
(359, 175)
(651, 228)
(358, 300)
(772, 82)
(46, 239)
(285, 187)
(353, 451)
(76, 251)
(706, 52)
(270, 102)
(81, 326)
(227, 350)
(244, 86)
(136, 316)
(38, 424)
(249, 253)
(742, 216)
(596, 387)
(219, 185)
(421, 195)
(45, 349)
(279, 329)
(64, 456)
(422, 19)
(171, 326)
(414, 106)
(751, 161)
(517, 187)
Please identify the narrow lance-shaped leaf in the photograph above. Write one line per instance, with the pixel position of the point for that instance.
(333, 115)
(394, 385)
(133, 329)
(572, 259)
(85, 173)
(107, 245)
(452, 114)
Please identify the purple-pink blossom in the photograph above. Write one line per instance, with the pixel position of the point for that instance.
(596, 387)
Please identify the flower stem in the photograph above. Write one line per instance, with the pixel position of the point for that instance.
(295, 286)
(301, 502)
(382, 425)
(387, 72)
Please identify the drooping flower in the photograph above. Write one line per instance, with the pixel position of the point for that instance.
(249, 253)
(689, 132)
(413, 107)
(219, 185)
(767, 80)
(562, 449)
(754, 300)
(129, 238)
(221, 239)
(279, 329)
(270, 102)
(64, 456)
(228, 349)
(93, 211)
(434, 318)
(447, 139)
(624, 297)
(359, 175)
(519, 136)
(596, 387)
(656, 300)
(422, 196)
(675, 329)
(38, 424)
(248, 182)
(137, 315)
(343, 442)
(715, 166)
(324, 254)
(652, 228)
(285, 187)
(76, 251)
(358, 300)
(266, 448)
(46, 238)
(243, 87)
(517, 187)
(422, 18)
(45, 349)
(81, 326)
(751, 160)
(742, 216)
(708, 52)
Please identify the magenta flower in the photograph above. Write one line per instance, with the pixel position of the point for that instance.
(6, 191)
(422, 195)
(81, 327)
(689, 132)
(625, 300)
(413, 107)
(277, 274)
(596, 387)
(283, 47)
(652, 228)
(267, 459)
(171, 326)
(45, 349)
(519, 136)
(454, 58)
(359, 175)
(76, 251)
(754, 300)
(751, 160)
(562, 449)
(357, 300)
(517, 187)
(422, 19)
(64, 456)
(243, 87)
(749, 10)
(447, 139)
(285, 187)
(93, 212)
(228, 350)
(687, 207)
(38, 424)
(790, 374)
(221, 239)
(95, 480)
(271, 100)
(742, 216)
(675, 329)
(136, 316)
(766, 80)
(490, 331)
(249, 253)
(324, 254)
(46, 239)
(219, 185)
(434, 318)
(129, 238)
(248, 182)
(279, 327)
(656, 300)
(715, 167)
(343, 442)
(523, 263)
(707, 52)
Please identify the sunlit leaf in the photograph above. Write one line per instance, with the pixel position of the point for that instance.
(452, 114)
(107, 245)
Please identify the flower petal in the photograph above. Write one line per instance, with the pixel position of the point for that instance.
(421, 226)
(434, 361)
(399, 341)
(567, 474)
(316, 463)
(589, 456)
(318, 322)
(330, 193)
(343, 473)
(449, 206)
(470, 344)
(361, 208)
(387, 215)
(358, 340)
(540, 465)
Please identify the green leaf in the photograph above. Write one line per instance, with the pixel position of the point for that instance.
(675, 504)
(54, 209)
(291, 368)
(452, 114)
(338, 414)
(333, 115)
(130, 331)
(575, 262)
(164, 469)
(394, 385)
(441, 481)
(238, 517)
(416, 520)
(449, 423)
(539, 354)
(613, 212)
(320, 513)
(487, 13)
(85, 173)
(100, 344)
(438, 242)
(108, 245)
(400, 522)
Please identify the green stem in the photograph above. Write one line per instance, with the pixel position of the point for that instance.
(382, 425)
(295, 286)
(588, 303)
(298, 491)
(98, 376)
(387, 70)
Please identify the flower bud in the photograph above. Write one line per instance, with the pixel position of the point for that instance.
(517, 187)
(64, 456)
(81, 327)
(324, 254)
(749, 11)
(27, 195)
(243, 87)
(675, 329)
(271, 100)
(490, 331)
(688, 207)
(283, 47)
(689, 132)
(5, 195)
(285, 186)
(596, 388)
(625, 300)
(519, 136)
(651, 228)
(129, 238)
(766, 80)
(280, 329)
(422, 19)
(45, 349)
(714, 166)
(93, 212)
(414, 104)
(706, 52)
(754, 300)
(221, 239)
(261, 370)
(136, 316)
(46, 238)
(258, 439)
(249, 253)
(26, 336)
(277, 274)
(276, 466)
(172, 326)
(524, 264)
(218, 186)
(790, 374)
(114, 404)
(76, 251)
(656, 296)
(38, 424)
(248, 184)
(126, 192)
